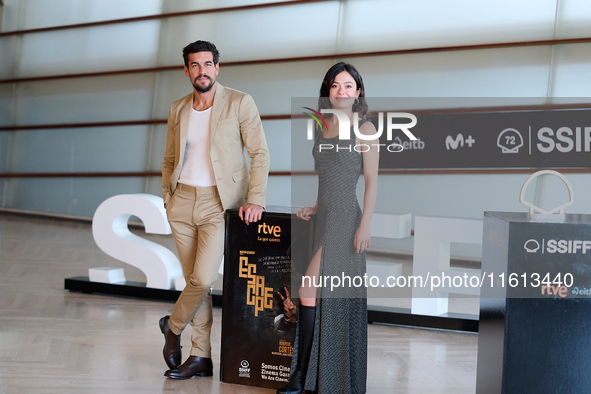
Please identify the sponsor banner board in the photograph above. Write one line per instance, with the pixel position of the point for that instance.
(454, 133)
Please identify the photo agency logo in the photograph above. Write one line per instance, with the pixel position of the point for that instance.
(394, 145)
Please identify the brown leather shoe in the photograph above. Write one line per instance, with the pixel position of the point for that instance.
(194, 366)
(172, 344)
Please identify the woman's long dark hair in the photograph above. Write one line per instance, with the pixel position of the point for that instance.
(324, 101)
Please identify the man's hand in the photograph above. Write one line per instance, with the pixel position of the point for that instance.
(288, 306)
(250, 213)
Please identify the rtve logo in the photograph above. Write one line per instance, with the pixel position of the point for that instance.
(345, 128)
(264, 228)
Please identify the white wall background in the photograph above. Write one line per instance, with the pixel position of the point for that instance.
(544, 74)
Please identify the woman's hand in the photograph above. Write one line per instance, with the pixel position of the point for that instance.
(289, 308)
(362, 239)
(306, 213)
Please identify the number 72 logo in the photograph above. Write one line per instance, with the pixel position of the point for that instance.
(510, 140)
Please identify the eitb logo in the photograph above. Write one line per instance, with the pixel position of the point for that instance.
(345, 128)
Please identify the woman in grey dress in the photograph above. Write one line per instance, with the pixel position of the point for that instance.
(330, 352)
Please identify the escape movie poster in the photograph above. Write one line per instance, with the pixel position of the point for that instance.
(257, 343)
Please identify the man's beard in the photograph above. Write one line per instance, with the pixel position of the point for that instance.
(203, 89)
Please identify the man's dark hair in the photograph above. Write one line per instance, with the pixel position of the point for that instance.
(200, 46)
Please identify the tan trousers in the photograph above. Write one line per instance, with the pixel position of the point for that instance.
(196, 218)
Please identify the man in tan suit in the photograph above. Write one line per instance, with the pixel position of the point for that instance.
(205, 172)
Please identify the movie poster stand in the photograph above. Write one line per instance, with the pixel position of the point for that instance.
(257, 343)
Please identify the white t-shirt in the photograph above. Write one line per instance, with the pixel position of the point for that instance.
(197, 169)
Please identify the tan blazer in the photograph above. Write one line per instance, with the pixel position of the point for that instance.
(235, 125)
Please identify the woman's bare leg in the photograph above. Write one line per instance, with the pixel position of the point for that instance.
(308, 291)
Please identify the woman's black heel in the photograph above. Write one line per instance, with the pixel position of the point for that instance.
(298, 377)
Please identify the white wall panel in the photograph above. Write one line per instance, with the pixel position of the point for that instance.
(277, 133)
(286, 31)
(551, 192)
(170, 86)
(73, 196)
(468, 196)
(279, 191)
(153, 185)
(255, 34)
(6, 104)
(4, 143)
(304, 190)
(48, 13)
(91, 49)
(110, 149)
(555, 193)
(370, 25)
(573, 19)
(157, 147)
(11, 15)
(84, 100)
(191, 5)
(3, 191)
(273, 85)
(464, 196)
(8, 54)
(572, 71)
(301, 147)
(503, 72)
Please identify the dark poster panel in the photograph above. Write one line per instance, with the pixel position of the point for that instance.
(521, 139)
(534, 334)
(256, 344)
(554, 259)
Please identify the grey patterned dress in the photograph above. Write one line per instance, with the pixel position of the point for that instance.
(338, 360)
